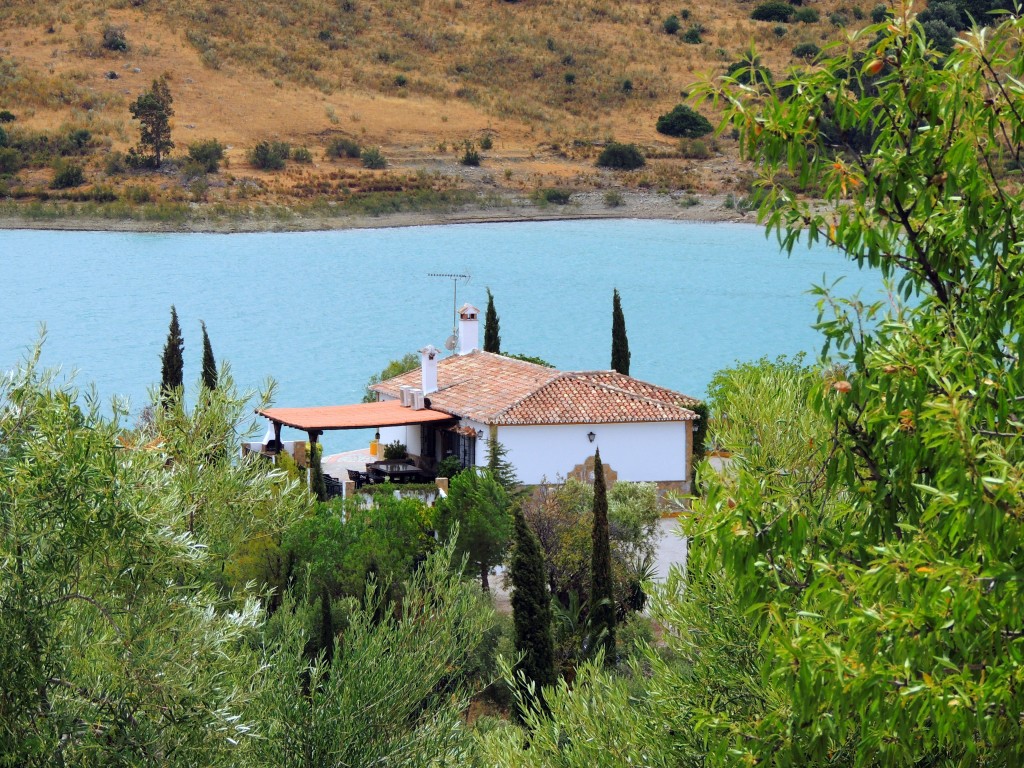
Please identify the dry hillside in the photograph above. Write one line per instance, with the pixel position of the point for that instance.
(545, 82)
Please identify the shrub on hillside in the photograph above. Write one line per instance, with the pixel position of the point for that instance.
(340, 146)
(671, 25)
(684, 122)
(806, 16)
(469, 154)
(6, 116)
(693, 34)
(4, 141)
(114, 39)
(66, 175)
(838, 19)
(749, 71)
(879, 13)
(773, 10)
(269, 155)
(622, 157)
(207, 153)
(806, 51)
(553, 195)
(10, 160)
(302, 155)
(372, 158)
(486, 142)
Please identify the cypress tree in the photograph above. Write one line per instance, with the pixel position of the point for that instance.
(492, 335)
(209, 363)
(172, 365)
(620, 344)
(317, 483)
(531, 607)
(602, 597)
(499, 465)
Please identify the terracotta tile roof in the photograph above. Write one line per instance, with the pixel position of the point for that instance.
(494, 389)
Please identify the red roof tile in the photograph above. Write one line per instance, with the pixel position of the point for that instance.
(494, 389)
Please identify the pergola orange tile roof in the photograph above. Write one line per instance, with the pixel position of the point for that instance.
(387, 413)
(494, 389)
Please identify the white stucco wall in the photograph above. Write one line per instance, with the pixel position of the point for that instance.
(637, 452)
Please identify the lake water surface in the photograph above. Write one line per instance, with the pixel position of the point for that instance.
(321, 311)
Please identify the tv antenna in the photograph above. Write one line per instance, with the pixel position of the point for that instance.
(452, 340)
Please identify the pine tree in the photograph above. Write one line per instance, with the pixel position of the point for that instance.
(620, 344)
(492, 327)
(531, 607)
(602, 598)
(209, 363)
(153, 111)
(172, 367)
(501, 468)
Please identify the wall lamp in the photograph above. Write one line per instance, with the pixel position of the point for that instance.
(479, 434)
(591, 436)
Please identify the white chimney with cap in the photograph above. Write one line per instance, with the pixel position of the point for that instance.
(469, 329)
(428, 369)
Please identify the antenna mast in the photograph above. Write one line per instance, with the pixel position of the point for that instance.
(455, 290)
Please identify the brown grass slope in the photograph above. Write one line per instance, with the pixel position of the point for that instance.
(548, 80)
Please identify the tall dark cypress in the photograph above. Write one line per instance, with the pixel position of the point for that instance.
(317, 482)
(531, 606)
(492, 335)
(172, 365)
(209, 363)
(602, 596)
(620, 344)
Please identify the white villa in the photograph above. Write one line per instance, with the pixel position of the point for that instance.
(550, 421)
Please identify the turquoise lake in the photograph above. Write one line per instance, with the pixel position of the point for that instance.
(321, 311)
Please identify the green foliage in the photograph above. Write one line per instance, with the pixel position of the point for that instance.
(372, 158)
(317, 483)
(501, 469)
(395, 691)
(693, 34)
(838, 19)
(396, 451)
(270, 155)
(207, 153)
(302, 155)
(879, 13)
(394, 368)
(700, 435)
(66, 175)
(750, 71)
(773, 10)
(683, 121)
(613, 198)
(553, 195)
(470, 156)
(531, 610)
(340, 146)
(894, 560)
(492, 327)
(806, 15)
(209, 372)
(487, 142)
(114, 39)
(806, 51)
(449, 467)
(476, 512)
(10, 160)
(4, 138)
(154, 112)
(671, 25)
(172, 362)
(6, 116)
(602, 596)
(626, 157)
(620, 342)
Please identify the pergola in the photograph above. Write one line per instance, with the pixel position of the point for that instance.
(314, 421)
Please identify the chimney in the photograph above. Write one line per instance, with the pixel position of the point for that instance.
(469, 329)
(428, 369)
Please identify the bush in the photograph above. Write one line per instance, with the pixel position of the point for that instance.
(207, 153)
(671, 25)
(837, 19)
(67, 175)
(693, 35)
(683, 121)
(302, 155)
(6, 116)
(114, 164)
(773, 10)
(269, 155)
(879, 13)
(570, 78)
(806, 51)
(613, 198)
(624, 157)
(469, 154)
(76, 141)
(4, 140)
(396, 451)
(372, 158)
(114, 39)
(750, 72)
(401, 81)
(486, 142)
(339, 146)
(694, 149)
(806, 16)
(449, 467)
(627, 86)
(139, 194)
(10, 160)
(554, 195)
(779, 30)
